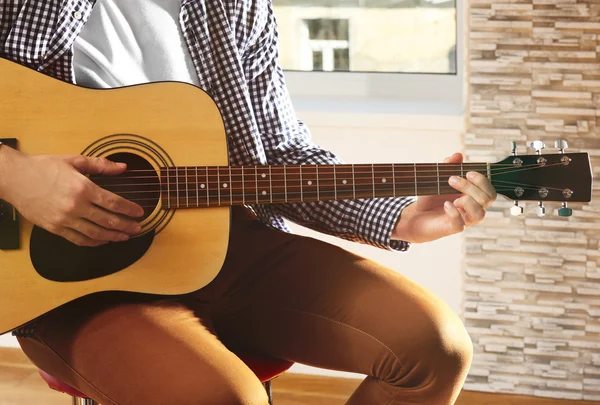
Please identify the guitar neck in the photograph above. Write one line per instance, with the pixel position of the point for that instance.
(206, 186)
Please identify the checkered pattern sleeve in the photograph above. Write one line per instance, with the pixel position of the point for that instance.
(286, 140)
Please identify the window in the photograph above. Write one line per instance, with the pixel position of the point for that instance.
(385, 50)
(326, 40)
(410, 36)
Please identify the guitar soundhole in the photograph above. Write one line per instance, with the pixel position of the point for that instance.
(139, 183)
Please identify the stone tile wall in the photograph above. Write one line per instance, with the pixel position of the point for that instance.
(532, 285)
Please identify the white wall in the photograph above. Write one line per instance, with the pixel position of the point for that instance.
(387, 137)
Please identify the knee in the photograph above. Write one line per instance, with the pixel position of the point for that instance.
(438, 355)
(446, 352)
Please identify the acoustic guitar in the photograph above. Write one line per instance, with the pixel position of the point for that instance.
(172, 137)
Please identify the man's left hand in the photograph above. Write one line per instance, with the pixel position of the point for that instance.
(433, 217)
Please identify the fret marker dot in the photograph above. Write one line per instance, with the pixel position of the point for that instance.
(344, 182)
(383, 180)
(263, 175)
(264, 193)
(202, 186)
(309, 182)
(225, 185)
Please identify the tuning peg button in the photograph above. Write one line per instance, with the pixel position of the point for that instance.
(565, 211)
(541, 210)
(561, 145)
(516, 210)
(537, 146)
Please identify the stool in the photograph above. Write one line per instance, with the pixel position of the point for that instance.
(265, 369)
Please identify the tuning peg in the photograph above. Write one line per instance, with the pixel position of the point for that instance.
(565, 211)
(537, 146)
(516, 210)
(561, 145)
(514, 148)
(541, 210)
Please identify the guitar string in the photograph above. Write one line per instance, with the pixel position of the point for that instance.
(443, 166)
(253, 179)
(368, 174)
(202, 202)
(356, 165)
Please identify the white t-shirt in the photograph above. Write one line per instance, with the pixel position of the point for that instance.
(127, 42)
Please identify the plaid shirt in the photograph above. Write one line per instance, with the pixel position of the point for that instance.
(233, 45)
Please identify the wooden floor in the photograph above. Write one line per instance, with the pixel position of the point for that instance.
(20, 384)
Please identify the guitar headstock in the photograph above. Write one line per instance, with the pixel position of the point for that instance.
(563, 177)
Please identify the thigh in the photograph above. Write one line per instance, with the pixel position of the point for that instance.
(317, 304)
(128, 350)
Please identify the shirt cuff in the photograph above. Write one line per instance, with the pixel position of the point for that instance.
(377, 219)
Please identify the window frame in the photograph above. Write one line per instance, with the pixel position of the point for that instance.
(358, 91)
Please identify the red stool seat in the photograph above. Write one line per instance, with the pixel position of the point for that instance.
(265, 369)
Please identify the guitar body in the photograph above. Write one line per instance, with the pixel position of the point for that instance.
(159, 125)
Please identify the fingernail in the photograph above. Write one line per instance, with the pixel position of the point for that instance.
(447, 205)
(123, 237)
(121, 164)
(453, 180)
(470, 175)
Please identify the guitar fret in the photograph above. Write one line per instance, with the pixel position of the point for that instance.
(243, 187)
(256, 181)
(353, 184)
(168, 190)
(197, 196)
(230, 187)
(270, 184)
(334, 184)
(207, 193)
(393, 180)
(373, 178)
(218, 186)
(177, 184)
(416, 187)
(437, 165)
(489, 171)
(461, 171)
(301, 192)
(187, 197)
(317, 176)
(285, 183)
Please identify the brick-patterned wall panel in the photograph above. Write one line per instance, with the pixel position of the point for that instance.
(532, 284)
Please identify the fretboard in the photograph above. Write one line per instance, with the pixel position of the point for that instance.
(206, 186)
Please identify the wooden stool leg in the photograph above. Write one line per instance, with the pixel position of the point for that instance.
(84, 401)
(267, 386)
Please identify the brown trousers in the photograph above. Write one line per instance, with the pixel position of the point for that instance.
(280, 295)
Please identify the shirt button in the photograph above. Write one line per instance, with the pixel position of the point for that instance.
(77, 15)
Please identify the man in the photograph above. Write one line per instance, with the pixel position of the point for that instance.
(278, 294)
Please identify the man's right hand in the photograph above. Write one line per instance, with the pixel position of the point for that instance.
(54, 193)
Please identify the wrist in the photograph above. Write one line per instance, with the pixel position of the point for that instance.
(403, 225)
(7, 163)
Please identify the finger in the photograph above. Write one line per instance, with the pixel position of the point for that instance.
(484, 184)
(473, 212)
(96, 165)
(79, 239)
(115, 203)
(455, 158)
(97, 233)
(471, 189)
(456, 222)
(111, 221)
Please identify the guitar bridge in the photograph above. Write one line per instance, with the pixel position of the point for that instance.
(9, 220)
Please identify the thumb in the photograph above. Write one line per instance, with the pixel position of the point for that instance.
(455, 158)
(96, 165)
